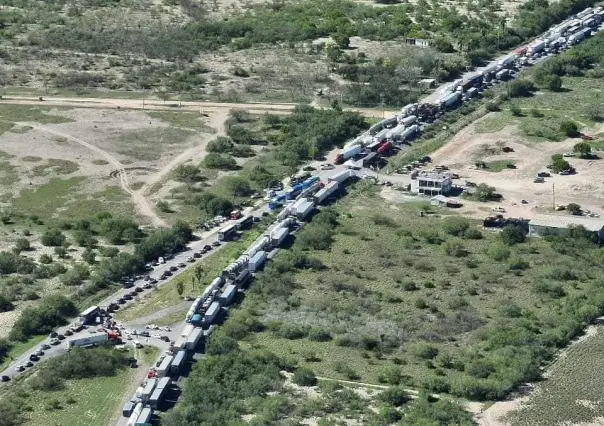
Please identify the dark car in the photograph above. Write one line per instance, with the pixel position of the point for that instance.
(165, 339)
(127, 297)
(29, 364)
(168, 273)
(147, 278)
(138, 289)
(153, 281)
(53, 335)
(121, 300)
(207, 247)
(5, 379)
(39, 353)
(19, 368)
(60, 337)
(34, 357)
(68, 333)
(44, 346)
(181, 265)
(216, 243)
(173, 268)
(197, 254)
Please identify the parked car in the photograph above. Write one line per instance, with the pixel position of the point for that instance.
(121, 300)
(39, 353)
(60, 337)
(216, 243)
(34, 357)
(29, 364)
(165, 339)
(44, 346)
(197, 254)
(19, 368)
(5, 379)
(147, 286)
(181, 265)
(68, 333)
(190, 259)
(138, 289)
(53, 335)
(55, 342)
(173, 268)
(207, 247)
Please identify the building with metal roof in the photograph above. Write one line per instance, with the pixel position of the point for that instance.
(544, 224)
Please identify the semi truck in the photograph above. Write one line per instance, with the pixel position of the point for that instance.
(369, 159)
(178, 362)
(144, 418)
(162, 387)
(304, 209)
(194, 339)
(245, 222)
(341, 176)
(92, 340)
(164, 368)
(148, 389)
(278, 236)
(326, 192)
(211, 313)
(228, 295)
(385, 148)
(450, 100)
(257, 261)
(227, 233)
(348, 153)
(135, 413)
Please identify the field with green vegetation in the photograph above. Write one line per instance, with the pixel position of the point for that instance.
(189, 51)
(83, 388)
(264, 389)
(570, 394)
(372, 292)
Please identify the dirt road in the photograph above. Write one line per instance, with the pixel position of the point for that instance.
(158, 105)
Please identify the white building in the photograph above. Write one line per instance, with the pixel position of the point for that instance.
(544, 224)
(431, 183)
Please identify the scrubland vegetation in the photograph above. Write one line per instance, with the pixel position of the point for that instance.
(380, 295)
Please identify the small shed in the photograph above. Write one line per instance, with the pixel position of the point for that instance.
(439, 200)
(428, 83)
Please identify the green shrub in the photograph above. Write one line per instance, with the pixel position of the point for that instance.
(304, 377)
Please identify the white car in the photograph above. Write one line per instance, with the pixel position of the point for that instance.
(327, 167)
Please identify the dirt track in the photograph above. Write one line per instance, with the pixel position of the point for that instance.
(154, 104)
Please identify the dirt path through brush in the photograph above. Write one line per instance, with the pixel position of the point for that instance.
(141, 203)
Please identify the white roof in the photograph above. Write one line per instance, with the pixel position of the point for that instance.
(559, 221)
(440, 198)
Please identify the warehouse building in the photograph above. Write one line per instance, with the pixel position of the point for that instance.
(431, 183)
(546, 224)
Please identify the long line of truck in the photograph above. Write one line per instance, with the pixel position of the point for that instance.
(382, 137)
(222, 292)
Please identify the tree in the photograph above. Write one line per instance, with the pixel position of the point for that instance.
(484, 192)
(395, 396)
(574, 209)
(341, 40)
(583, 149)
(520, 88)
(180, 288)
(238, 186)
(559, 164)
(570, 129)
(89, 256)
(53, 238)
(455, 225)
(219, 161)
(554, 83)
(221, 144)
(187, 173)
(511, 235)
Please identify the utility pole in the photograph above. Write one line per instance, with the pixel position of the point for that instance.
(554, 195)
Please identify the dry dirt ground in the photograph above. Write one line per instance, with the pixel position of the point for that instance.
(584, 188)
(109, 148)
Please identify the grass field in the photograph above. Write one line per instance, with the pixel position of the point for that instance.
(166, 295)
(87, 402)
(399, 296)
(498, 165)
(571, 394)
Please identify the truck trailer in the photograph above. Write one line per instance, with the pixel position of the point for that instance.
(227, 296)
(227, 233)
(278, 236)
(144, 418)
(341, 177)
(326, 192)
(135, 413)
(304, 209)
(194, 339)
(92, 340)
(164, 368)
(348, 153)
(148, 389)
(211, 313)
(257, 261)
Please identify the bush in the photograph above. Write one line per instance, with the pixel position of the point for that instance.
(570, 129)
(220, 145)
(455, 248)
(424, 351)
(243, 151)
(437, 384)
(219, 161)
(53, 238)
(512, 235)
(395, 396)
(516, 111)
(304, 377)
(473, 234)
(45, 259)
(498, 252)
(188, 173)
(518, 264)
(319, 335)
(5, 306)
(455, 225)
(241, 135)
(22, 244)
(11, 263)
(492, 107)
(520, 88)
